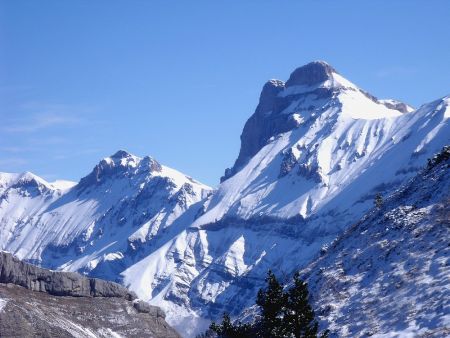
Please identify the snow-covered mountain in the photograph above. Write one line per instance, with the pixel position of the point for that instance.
(110, 215)
(313, 156)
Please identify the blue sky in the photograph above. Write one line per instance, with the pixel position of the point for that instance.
(178, 79)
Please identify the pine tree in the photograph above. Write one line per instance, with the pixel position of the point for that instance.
(271, 301)
(284, 314)
(225, 328)
(299, 316)
(229, 330)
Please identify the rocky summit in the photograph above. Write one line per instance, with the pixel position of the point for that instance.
(36, 302)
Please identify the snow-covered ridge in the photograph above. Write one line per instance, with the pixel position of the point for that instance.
(63, 185)
(27, 178)
(123, 203)
(328, 140)
(123, 163)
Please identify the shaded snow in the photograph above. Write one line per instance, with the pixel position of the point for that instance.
(342, 160)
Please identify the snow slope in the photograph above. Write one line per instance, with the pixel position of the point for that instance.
(388, 275)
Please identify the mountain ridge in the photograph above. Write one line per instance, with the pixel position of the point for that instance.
(313, 156)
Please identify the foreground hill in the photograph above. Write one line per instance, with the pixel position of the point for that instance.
(35, 302)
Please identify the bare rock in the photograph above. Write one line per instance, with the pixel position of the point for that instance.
(44, 303)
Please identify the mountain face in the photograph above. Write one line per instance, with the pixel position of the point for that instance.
(313, 156)
(36, 302)
(110, 215)
(282, 106)
(388, 275)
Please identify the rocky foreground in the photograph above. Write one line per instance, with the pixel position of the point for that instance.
(36, 302)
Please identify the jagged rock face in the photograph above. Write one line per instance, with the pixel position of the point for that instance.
(311, 74)
(389, 273)
(256, 130)
(30, 187)
(35, 302)
(120, 164)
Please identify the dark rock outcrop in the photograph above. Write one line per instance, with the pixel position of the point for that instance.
(313, 73)
(400, 106)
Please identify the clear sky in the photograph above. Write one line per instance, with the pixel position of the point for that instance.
(177, 80)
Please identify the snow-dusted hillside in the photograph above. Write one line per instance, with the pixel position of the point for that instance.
(313, 156)
(110, 215)
(389, 274)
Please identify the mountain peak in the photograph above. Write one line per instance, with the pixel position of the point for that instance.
(118, 163)
(311, 90)
(310, 74)
(120, 154)
(122, 158)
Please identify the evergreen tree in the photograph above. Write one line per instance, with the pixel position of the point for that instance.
(229, 330)
(299, 316)
(225, 328)
(272, 301)
(284, 314)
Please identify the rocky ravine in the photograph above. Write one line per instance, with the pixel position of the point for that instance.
(36, 302)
